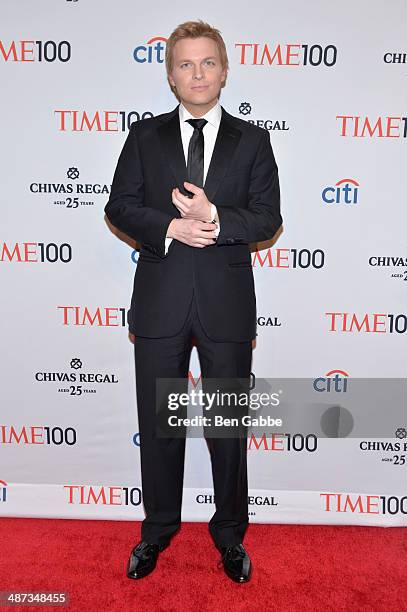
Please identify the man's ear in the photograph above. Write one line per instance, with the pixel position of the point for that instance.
(170, 80)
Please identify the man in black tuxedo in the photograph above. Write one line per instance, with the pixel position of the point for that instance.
(194, 187)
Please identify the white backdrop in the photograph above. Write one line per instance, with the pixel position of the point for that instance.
(329, 83)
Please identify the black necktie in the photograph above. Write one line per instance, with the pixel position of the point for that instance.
(195, 165)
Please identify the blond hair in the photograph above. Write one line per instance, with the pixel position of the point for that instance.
(194, 29)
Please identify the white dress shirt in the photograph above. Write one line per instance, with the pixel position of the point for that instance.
(210, 132)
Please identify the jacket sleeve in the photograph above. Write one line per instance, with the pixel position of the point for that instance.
(127, 209)
(261, 219)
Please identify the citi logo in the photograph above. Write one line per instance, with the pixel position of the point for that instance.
(365, 127)
(345, 191)
(151, 52)
(276, 54)
(82, 316)
(3, 491)
(371, 323)
(363, 504)
(289, 258)
(35, 51)
(84, 495)
(334, 381)
(76, 120)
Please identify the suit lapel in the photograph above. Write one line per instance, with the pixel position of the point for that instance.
(170, 138)
(225, 145)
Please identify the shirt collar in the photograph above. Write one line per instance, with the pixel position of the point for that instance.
(213, 116)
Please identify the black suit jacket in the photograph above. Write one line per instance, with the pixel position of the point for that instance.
(242, 181)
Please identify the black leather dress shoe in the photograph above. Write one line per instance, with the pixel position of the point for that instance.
(143, 559)
(236, 563)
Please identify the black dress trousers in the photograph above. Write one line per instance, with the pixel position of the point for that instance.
(162, 459)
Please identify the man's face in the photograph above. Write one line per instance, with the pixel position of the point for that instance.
(197, 73)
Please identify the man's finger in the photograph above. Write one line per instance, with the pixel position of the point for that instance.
(193, 188)
(182, 197)
(177, 202)
(206, 233)
(208, 225)
(179, 205)
(203, 242)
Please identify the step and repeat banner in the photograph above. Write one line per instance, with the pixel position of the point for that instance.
(328, 83)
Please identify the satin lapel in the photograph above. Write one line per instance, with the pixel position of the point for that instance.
(225, 146)
(170, 137)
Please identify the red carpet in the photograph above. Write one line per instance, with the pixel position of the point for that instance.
(296, 567)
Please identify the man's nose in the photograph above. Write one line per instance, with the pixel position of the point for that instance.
(198, 72)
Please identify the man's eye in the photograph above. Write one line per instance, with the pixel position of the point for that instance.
(210, 62)
(185, 64)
